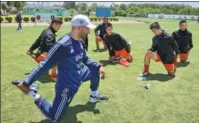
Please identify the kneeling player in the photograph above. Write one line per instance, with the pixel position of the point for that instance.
(117, 46)
(44, 43)
(184, 39)
(164, 49)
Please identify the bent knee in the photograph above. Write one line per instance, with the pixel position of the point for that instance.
(148, 54)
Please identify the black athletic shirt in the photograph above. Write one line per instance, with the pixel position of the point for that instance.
(116, 42)
(166, 47)
(184, 40)
(45, 41)
(102, 29)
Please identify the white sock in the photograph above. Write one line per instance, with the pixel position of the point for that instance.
(33, 95)
(94, 93)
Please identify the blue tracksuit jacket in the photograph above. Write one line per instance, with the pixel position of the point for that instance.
(70, 57)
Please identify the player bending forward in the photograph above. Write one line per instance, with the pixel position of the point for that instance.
(164, 49)
(44, 43)
(117, 46)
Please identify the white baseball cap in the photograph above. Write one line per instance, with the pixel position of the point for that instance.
(82, 20)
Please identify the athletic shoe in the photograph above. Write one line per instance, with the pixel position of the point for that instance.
(98, 98)
(144, 74)
(34, 87)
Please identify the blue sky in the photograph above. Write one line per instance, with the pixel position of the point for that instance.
(194, 4)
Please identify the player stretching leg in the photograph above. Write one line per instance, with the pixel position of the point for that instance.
(74, 67)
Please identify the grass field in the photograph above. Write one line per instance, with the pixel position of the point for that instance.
(167, 101)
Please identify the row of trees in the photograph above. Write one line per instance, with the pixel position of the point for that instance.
(9, 5)
(134, 9)
(137, 10)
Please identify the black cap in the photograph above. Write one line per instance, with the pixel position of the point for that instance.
(56, 20)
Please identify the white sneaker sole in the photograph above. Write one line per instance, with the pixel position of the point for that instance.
(93, 100)
(143, 75)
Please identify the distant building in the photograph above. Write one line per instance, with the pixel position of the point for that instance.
(167, 16)
(57, 10)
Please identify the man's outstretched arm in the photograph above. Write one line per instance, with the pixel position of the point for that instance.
(35, 45)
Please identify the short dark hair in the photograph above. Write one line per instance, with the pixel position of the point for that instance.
(109, 25)
(56, 20)
(182, 21)
(155, 25)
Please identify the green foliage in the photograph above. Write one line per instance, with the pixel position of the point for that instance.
(70, 18)
(95, 19)
(1, 19)
(3, 6)
(69, 5)
(17, 4)
(9, 19)
(66, 19)
(91, 18)
(142, 10)
(32, 19)
(26, 19)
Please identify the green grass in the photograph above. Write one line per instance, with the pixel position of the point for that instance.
(167, 101)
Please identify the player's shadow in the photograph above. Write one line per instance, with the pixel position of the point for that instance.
(100, 50)
(71, 114)
(106, 62)
(181, 64)
(160, 77)
(44, 78)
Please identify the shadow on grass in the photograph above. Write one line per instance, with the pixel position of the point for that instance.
(71, 114)
(100, 50)
(183, 64)
(106, 62)
(44, 78)
(160, 77)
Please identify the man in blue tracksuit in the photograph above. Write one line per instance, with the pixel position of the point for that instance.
(74, 67)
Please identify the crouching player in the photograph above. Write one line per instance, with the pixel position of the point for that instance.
(100, 37)
(184, 39)
(117, 46)
(44, 43)
(164, 49)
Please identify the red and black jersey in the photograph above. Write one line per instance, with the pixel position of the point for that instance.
(184, 40)
(166, 47)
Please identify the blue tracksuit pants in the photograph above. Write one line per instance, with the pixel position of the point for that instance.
(64, 96)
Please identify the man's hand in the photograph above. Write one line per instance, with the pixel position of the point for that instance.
(111, 58)
(102, 73)
(176, 59)
(98, 38)
(31, 53)
(149, 51)
(190, 48)
(23, 88)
